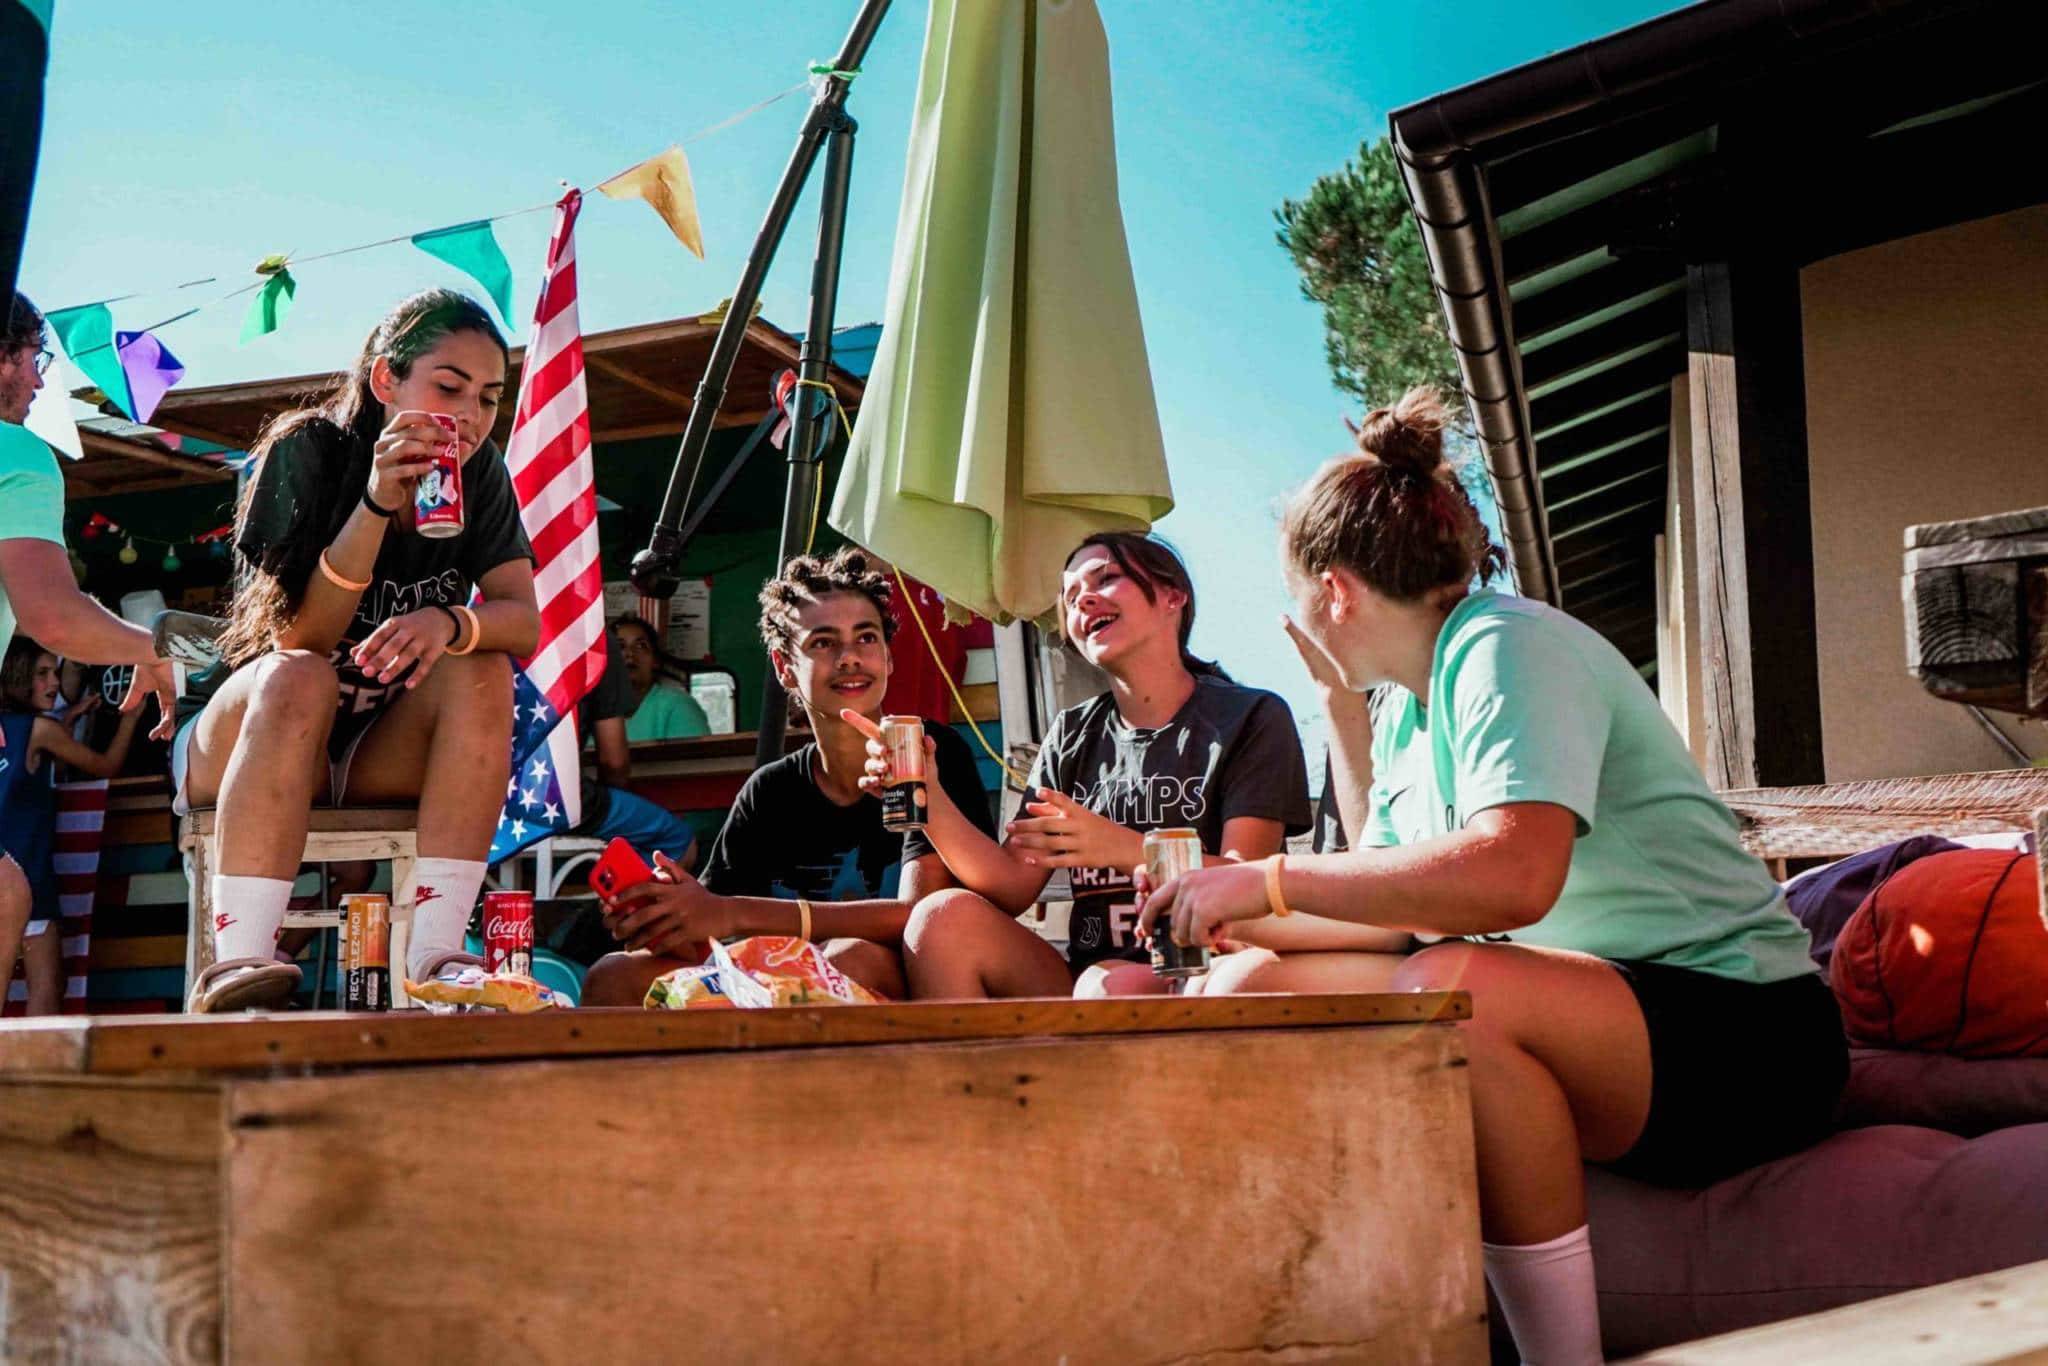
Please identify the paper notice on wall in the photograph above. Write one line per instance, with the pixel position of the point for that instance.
(689, 620)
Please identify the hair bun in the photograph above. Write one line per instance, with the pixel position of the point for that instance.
(1409, 435)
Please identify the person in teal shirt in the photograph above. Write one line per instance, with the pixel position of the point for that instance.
(664, 708)
(1515, 796)
(36, 580)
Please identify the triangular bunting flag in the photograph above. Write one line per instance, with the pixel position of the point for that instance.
(150, 368)
(664, 182)
(271, 303)
(87, 335)
(473, 249)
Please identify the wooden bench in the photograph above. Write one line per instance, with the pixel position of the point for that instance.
(1252, 1178)
(1999, 1317)
(334, 835)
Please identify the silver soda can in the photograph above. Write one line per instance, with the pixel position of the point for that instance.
(903, 798)
(1168, 854)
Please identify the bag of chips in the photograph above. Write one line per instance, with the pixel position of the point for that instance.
(767, 970)
(475, 989)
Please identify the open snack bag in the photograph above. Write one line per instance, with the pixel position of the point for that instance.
(475, 989)
(767, 970)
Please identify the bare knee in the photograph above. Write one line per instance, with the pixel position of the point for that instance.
(945, 916)
(619, 979)
(1443, 967)
(874, 966)
(1246, 971)
(295, 683)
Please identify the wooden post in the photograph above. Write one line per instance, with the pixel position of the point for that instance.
(1759, 668)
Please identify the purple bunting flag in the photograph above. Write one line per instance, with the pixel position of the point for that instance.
(151, 370)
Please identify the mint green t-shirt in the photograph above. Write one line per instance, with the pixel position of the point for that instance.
(668, 712)
(31, 501)
(1532, 705)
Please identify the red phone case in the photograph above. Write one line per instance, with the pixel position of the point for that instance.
(618, 868)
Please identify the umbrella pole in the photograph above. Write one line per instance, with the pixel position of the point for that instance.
(656, 570)
(815, 408)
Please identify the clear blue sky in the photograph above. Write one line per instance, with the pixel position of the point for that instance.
(187, 141)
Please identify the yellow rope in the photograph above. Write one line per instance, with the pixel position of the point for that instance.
(1017, 779)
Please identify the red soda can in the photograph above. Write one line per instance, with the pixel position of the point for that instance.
(437, 497)
(508, 932)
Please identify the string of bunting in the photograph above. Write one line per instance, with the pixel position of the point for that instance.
(135, 369)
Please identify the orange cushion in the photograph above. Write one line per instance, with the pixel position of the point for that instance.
(1949, 955)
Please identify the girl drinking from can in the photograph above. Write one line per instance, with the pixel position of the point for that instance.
(362, 675)
(1173, 743)
(1641, 995)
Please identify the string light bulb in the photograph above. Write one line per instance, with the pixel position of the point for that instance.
(172, 564)
(128, 554)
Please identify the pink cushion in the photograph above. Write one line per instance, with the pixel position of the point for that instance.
(1867, 1212)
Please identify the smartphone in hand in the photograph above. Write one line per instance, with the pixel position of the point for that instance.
(619, 867)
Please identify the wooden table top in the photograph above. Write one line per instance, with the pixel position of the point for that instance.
(154, 1045)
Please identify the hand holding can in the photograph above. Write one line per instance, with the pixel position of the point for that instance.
(437, 498)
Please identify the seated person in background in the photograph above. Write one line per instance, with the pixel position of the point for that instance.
(801, 830)
(31, 744)
(662, 708)
(610, 809)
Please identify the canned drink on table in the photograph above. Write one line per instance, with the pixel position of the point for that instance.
(437, 498)
(366, 951)
(903, 800)
(1168, 854)
(508, 932)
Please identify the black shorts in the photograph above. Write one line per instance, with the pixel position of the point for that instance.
(1739, 1073)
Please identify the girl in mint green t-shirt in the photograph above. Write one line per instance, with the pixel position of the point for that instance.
(1516, 798)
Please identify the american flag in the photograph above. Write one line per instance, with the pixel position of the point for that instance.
(549, 460)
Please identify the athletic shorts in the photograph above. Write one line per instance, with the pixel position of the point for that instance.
(349, 729)
(1739, 1073)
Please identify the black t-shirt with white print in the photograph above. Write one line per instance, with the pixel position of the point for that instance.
(306, 490)
(784, 837)
(1229, 751)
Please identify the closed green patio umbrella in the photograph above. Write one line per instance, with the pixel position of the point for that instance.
(1010, 410)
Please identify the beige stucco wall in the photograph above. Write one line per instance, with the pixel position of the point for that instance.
(1926, 400)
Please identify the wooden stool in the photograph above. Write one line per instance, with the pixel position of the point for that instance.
(333, 835)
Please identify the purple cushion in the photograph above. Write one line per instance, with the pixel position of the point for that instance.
(1966, 1096)
(1867, 1212)
(1824, 899)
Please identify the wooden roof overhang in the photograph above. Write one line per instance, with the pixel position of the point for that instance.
(114, 464)
(1564, 203)
(641, 382)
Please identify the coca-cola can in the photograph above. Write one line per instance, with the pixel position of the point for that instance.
(508, 932)
(437, 497)
(904, 797)
(365, 951)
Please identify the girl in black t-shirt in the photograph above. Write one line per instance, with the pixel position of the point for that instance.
(361, 674)
(1172, 743)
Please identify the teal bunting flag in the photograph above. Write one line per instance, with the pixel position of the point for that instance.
(267, 309)
(87, 335)
(473, 249)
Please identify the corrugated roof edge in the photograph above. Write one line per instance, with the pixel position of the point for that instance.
(1441, 142)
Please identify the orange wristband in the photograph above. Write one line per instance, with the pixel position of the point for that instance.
(476, 630)
(1275, 902)
(334, 577)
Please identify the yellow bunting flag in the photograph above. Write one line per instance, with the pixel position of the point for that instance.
(664, 182)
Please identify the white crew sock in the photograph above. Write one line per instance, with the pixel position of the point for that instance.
(442, 893)
(1546, 1292)
(247, 914)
